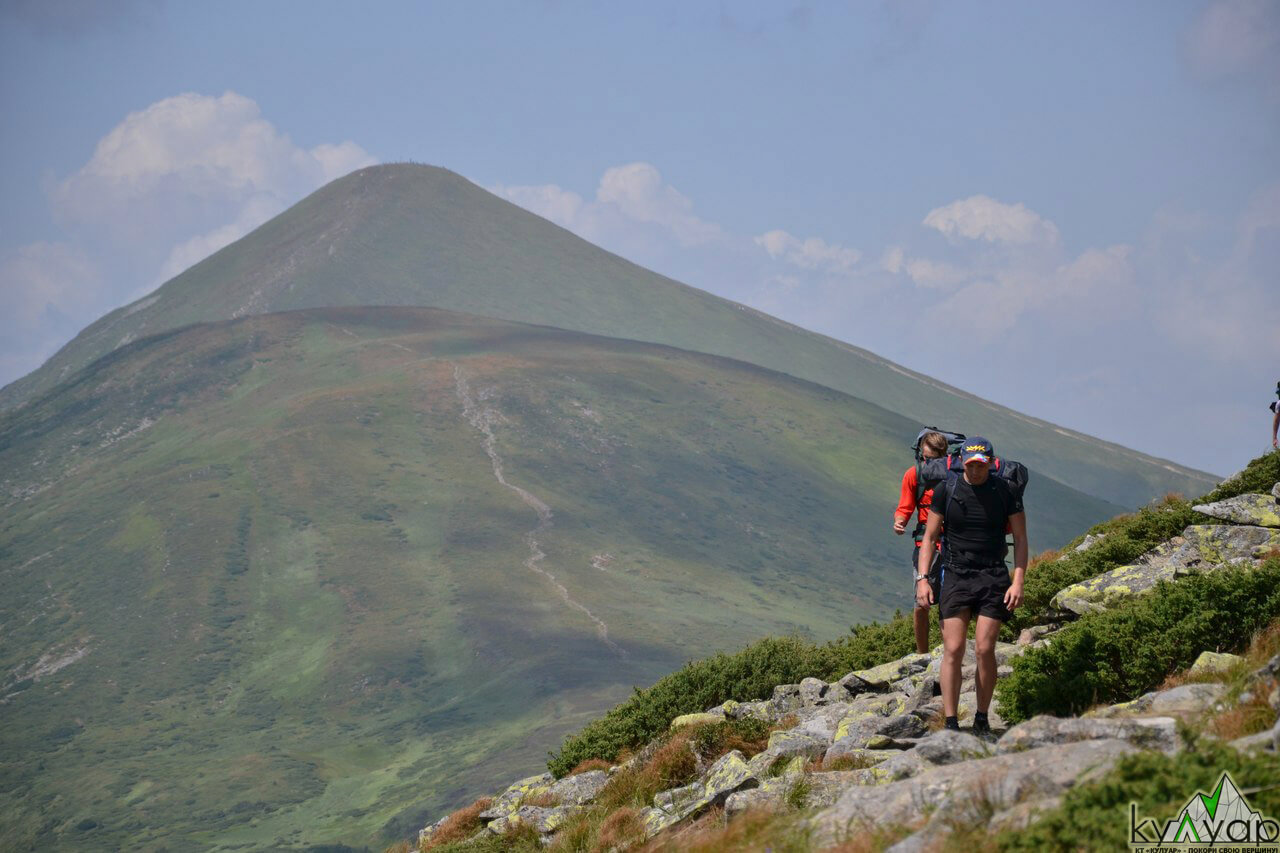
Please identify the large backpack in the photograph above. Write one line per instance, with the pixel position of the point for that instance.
(931, 472)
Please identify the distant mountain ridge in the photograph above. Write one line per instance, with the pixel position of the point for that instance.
(417, 235)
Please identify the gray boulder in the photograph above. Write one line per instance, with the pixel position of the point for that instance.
(1203, 547)
(1258, 510)
(1188, 700)
(579, 789)
(950, 747)
(506, 803)
(1213, 662)
(998, 783)
(1160, 733)
(730, 773)
(882, 677)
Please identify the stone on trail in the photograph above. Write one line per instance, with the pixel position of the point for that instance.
(1203, 547)
(1213, 662)
(1275, 491)
(1258, 510)
(1160, 733)
(999, 783)
(1188, 700)
(882, 676)
(950, 747)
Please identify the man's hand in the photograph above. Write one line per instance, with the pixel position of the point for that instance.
(899, 525)
(924, 594)
(1013, 595)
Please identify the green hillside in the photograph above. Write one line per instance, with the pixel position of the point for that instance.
(417, 235)
(312, 577)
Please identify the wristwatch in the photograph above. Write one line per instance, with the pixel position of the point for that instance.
(922, 577)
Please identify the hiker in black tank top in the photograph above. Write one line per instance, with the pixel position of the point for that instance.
(974, 510)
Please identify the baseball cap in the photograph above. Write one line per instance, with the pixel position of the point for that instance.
(977, 450)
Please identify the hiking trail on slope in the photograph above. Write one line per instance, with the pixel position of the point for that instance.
(483, 419)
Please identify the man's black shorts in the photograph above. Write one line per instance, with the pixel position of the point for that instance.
(934, 571)
(978, 589)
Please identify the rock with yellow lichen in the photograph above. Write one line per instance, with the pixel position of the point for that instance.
(1256, 510)
(1201, 547)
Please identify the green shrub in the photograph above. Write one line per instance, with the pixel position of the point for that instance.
(1258, 476)
(1122, 653)
(1095, 815)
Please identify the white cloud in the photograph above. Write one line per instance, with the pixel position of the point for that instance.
(982, 217)
(934, 274)
(812, 253)
(627, 196)
(164, 188)
(549, 201)
(1235, 36)
(191, 164)
(638, 191)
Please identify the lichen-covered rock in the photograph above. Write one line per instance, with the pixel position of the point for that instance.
(813, 691)
(545, 819)
(881, 677)
(1159, 733)
(506, 803)
(949, 747)
(695, 720)
(999, 783)
(797, 742)
(856, 733)
(1258, 510)
(730, 773)
(1203, 547)
(579, 789)
(1187, 700)
(1213, 662)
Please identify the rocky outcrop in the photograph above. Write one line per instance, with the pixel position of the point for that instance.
(985, 784)
(1255, 510)
(1201, 547)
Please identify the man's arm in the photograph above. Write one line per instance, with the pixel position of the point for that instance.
(1275, 426)
(928, 549)
(1018, 523)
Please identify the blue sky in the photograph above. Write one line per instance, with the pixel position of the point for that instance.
(1072, 209)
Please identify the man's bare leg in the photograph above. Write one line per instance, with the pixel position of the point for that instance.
(920, 620)
(955, 633)
(985, 635)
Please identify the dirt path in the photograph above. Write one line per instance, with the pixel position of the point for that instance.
(483, 418)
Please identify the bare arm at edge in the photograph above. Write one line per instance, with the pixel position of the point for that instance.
(1018, 525)
(928, 546)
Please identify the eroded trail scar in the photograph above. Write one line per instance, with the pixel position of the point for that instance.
(483, 418)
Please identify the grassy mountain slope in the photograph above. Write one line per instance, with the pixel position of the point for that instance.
(417, 235)
(264, 585)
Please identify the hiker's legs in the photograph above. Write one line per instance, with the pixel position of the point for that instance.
(955, 632)
(920, 620)
(985, 634)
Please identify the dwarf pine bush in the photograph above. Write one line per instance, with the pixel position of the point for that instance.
(1122, 653)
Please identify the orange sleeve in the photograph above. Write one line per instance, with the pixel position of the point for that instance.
(907, 499)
